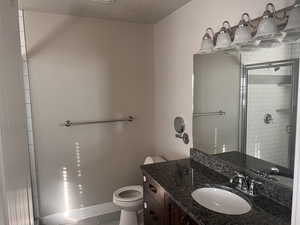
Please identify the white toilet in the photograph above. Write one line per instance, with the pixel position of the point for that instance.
(130, 198)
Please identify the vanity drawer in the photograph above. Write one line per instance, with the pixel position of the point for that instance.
(153, 189)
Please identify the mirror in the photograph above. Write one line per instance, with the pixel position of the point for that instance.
(245, 108)
(216, 102)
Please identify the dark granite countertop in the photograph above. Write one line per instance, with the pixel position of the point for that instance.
(181, 177)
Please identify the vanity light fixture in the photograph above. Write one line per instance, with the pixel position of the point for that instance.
(268, 32)
(292, 29)
(207, 44)
(243, 33)
(224, 36)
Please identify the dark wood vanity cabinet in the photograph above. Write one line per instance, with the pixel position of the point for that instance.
(176, 216)
(159, 209)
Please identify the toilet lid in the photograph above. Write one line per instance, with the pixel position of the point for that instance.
(129, 193)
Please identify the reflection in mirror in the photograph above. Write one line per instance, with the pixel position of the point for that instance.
(245, 108)
(270, 93)
(216, 102)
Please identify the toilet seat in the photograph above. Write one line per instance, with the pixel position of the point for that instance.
(129, 193)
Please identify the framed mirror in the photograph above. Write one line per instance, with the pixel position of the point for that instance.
(245, 108)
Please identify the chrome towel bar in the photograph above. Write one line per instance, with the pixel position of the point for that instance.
(218, 113)
(69, 123)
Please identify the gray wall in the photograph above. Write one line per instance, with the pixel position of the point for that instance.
(88, 69)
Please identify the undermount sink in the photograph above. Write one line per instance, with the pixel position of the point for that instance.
(221, 200)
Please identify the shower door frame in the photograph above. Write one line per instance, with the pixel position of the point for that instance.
(294, 64)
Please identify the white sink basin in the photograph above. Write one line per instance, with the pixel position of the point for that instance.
(221, 201)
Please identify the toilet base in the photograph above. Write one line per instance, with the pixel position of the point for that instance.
(128, 218)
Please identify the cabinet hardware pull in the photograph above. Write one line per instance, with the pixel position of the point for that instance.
(152, 188)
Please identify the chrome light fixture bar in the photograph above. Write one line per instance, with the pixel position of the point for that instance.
(272, 28)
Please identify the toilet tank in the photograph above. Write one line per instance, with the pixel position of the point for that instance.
(154, 159)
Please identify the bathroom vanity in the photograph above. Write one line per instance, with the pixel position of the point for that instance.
(168, 200)
(240, 170)
(159, 208)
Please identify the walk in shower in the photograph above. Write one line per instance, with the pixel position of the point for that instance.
(88, 100)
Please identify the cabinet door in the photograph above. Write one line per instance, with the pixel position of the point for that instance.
(153, 211)
(154, 205)
(176, 216)
(159, 209)
(152, 188)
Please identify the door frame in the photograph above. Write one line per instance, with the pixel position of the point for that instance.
(296, 189)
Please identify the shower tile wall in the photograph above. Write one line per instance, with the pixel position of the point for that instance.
(29, 126)
(268, 141)
(88, 69)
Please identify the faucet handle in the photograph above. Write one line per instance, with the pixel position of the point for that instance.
(238, 174)
(251, 186)
(255, 181)
(274, 170)
(241, 179)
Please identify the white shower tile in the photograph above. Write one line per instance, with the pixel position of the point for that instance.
(25, 65)
(30, 137)
(29, 124)
(28, 110)
(27, 96)
(26, 82)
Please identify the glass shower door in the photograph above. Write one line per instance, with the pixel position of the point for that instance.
(270, 111)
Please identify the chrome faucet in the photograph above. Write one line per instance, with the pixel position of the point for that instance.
(251, 186)
(241, 180)
(244, 183)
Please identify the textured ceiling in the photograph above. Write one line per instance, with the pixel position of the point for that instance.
(138, 11)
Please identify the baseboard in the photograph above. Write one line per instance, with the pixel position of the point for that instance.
(76, 215)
